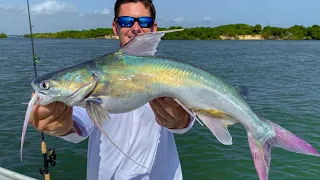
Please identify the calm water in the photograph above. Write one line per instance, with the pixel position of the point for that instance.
(282, 76)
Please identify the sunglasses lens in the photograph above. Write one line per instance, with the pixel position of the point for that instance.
(125, 21)
(145, 22)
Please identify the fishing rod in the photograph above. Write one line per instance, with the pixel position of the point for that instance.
(50, 155)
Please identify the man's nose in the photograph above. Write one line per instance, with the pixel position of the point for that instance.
(136, 29)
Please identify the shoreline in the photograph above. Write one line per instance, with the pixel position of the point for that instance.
(255, 37)
(242, 37)
(222, 32)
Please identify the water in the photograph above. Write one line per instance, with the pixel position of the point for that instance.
(282, 76)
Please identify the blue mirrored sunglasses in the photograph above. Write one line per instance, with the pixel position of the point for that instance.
(128, 21)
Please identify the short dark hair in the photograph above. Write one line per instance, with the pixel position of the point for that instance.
(147, 3)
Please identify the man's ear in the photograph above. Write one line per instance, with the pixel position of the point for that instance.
(115, 28)
(155, 27)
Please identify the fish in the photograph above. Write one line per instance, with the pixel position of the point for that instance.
(132, 76)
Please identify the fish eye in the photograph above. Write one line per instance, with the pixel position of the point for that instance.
(44, 85)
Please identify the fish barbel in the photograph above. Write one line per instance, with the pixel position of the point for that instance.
(127, 79)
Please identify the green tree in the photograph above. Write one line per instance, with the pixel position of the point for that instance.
(3, 35)
(295, 32)
(257, 28)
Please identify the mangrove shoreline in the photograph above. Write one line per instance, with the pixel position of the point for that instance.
(224, 32)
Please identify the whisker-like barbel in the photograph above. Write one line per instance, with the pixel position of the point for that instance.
(26, 120)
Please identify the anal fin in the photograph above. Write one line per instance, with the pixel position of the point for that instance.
(217, 123)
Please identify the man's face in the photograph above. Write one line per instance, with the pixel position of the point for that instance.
(135, 10)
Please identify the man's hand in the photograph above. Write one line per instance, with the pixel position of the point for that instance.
(54, 119)
(169, 113)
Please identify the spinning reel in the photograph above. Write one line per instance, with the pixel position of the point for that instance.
(49, 158)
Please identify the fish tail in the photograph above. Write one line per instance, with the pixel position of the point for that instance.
(261, 151)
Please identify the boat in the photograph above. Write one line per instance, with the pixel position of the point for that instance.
(6, 174)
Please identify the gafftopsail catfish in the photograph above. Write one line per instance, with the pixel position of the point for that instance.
(127, 79)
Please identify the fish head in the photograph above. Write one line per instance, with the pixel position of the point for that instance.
(69, 87)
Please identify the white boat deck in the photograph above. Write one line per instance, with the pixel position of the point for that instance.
(6, 174)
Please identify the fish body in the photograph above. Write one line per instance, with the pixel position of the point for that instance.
(127, 79)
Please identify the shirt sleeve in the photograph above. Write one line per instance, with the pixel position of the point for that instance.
(82, 120)
(182, 131)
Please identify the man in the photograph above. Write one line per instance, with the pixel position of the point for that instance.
(144, 134)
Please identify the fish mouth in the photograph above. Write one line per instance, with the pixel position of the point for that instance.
(40, 97)
(41, 93)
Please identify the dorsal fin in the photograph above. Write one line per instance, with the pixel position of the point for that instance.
(144, 44)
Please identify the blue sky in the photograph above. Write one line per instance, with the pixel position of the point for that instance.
(57, 15)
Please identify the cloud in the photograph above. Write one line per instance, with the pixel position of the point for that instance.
(59, 15)
(11, 8)
(187, 22)
(106, 11)
(51, 16)
(207, 18)
(164, 21)
(177, 19)
(53, 7)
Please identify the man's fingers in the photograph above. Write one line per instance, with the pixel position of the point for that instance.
(157, 115)
(42, 112)
(61, 121)
(166, 107)
(57, 111)
(160, 120)
(172, 102)
(173, 111)
(163, 118)
(160, 109)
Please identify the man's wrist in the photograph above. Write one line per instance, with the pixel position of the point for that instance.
(74, 129)
(186, 129)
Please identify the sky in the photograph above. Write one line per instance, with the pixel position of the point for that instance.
(59, 15)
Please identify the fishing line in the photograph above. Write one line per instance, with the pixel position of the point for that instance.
(50, 156)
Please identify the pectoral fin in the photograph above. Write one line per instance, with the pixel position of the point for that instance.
(217, 125)
(96, 111)
(99, 115)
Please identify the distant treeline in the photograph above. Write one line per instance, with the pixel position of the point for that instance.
(3, 35)
(232, 31)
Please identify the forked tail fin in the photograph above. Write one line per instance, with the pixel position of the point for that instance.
(261, 152)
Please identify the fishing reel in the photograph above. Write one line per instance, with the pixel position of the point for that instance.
(50, 158)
